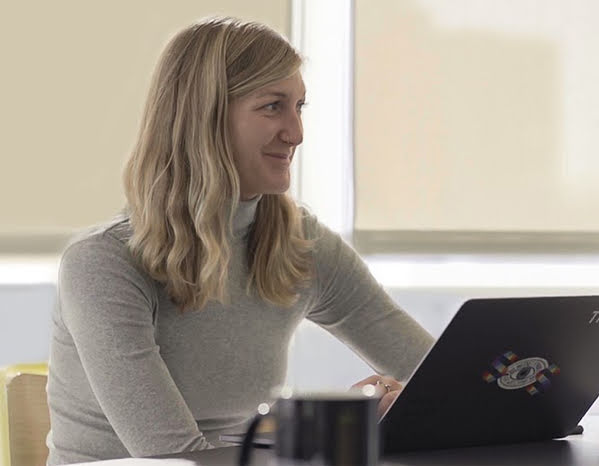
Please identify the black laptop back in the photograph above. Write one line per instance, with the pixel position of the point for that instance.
(504, 370)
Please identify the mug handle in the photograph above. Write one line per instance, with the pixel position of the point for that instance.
(246, 446)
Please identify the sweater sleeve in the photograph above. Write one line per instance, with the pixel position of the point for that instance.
(107, 306)
(353, 306)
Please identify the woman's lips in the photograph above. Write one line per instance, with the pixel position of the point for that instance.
(278, 156)
(283, 160)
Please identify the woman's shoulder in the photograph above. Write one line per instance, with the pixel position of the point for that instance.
(313, 228)
(117, 229)
(98, 270)
(329, 247)
(103, 244)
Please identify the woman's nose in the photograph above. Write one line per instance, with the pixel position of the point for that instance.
(293, 132)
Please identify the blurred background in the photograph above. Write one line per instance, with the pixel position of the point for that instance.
(453, 144)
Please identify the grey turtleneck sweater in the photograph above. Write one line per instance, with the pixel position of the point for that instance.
(132, 376)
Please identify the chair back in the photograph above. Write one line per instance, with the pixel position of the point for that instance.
(24, 417)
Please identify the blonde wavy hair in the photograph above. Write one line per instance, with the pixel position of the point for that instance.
(181, 183)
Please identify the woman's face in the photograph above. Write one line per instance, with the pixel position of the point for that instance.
(266, 127)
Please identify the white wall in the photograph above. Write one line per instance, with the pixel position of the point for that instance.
(74, 80)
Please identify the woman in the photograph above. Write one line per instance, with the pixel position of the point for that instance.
(173, 322)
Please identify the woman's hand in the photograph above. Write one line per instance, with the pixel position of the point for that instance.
(387, 388)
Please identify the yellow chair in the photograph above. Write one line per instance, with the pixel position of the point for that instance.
(24, 418)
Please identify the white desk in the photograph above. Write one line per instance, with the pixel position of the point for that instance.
(577, 450)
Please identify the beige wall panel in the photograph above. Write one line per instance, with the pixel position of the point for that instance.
(74, 79)
(467, 123)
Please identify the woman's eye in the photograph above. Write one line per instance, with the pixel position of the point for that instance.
(278, 106)
(273, 106)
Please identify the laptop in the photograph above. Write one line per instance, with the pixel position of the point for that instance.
(505, 370)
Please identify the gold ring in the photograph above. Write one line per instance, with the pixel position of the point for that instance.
(386, 385)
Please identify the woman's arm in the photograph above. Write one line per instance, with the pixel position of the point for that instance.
(354, 307)
(107, 305)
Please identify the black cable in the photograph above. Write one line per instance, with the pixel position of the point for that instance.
(246, 446)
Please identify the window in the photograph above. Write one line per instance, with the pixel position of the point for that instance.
(461, 126)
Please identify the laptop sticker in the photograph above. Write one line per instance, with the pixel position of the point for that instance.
(511, 373)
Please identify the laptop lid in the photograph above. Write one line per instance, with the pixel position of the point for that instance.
(504, 370)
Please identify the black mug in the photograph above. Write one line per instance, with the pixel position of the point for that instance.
(327, 429)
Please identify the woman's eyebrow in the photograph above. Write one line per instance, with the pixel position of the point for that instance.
(279, 94)
(272, 93)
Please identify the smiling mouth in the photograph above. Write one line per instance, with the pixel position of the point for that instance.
(279, 156)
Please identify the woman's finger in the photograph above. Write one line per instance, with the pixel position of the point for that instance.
(373, 379)
(367, 381)
(386, 401)
(390, 383)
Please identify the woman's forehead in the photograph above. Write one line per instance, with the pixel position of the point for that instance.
(289, 87)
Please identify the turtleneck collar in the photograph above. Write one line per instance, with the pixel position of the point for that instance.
(245, 214)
